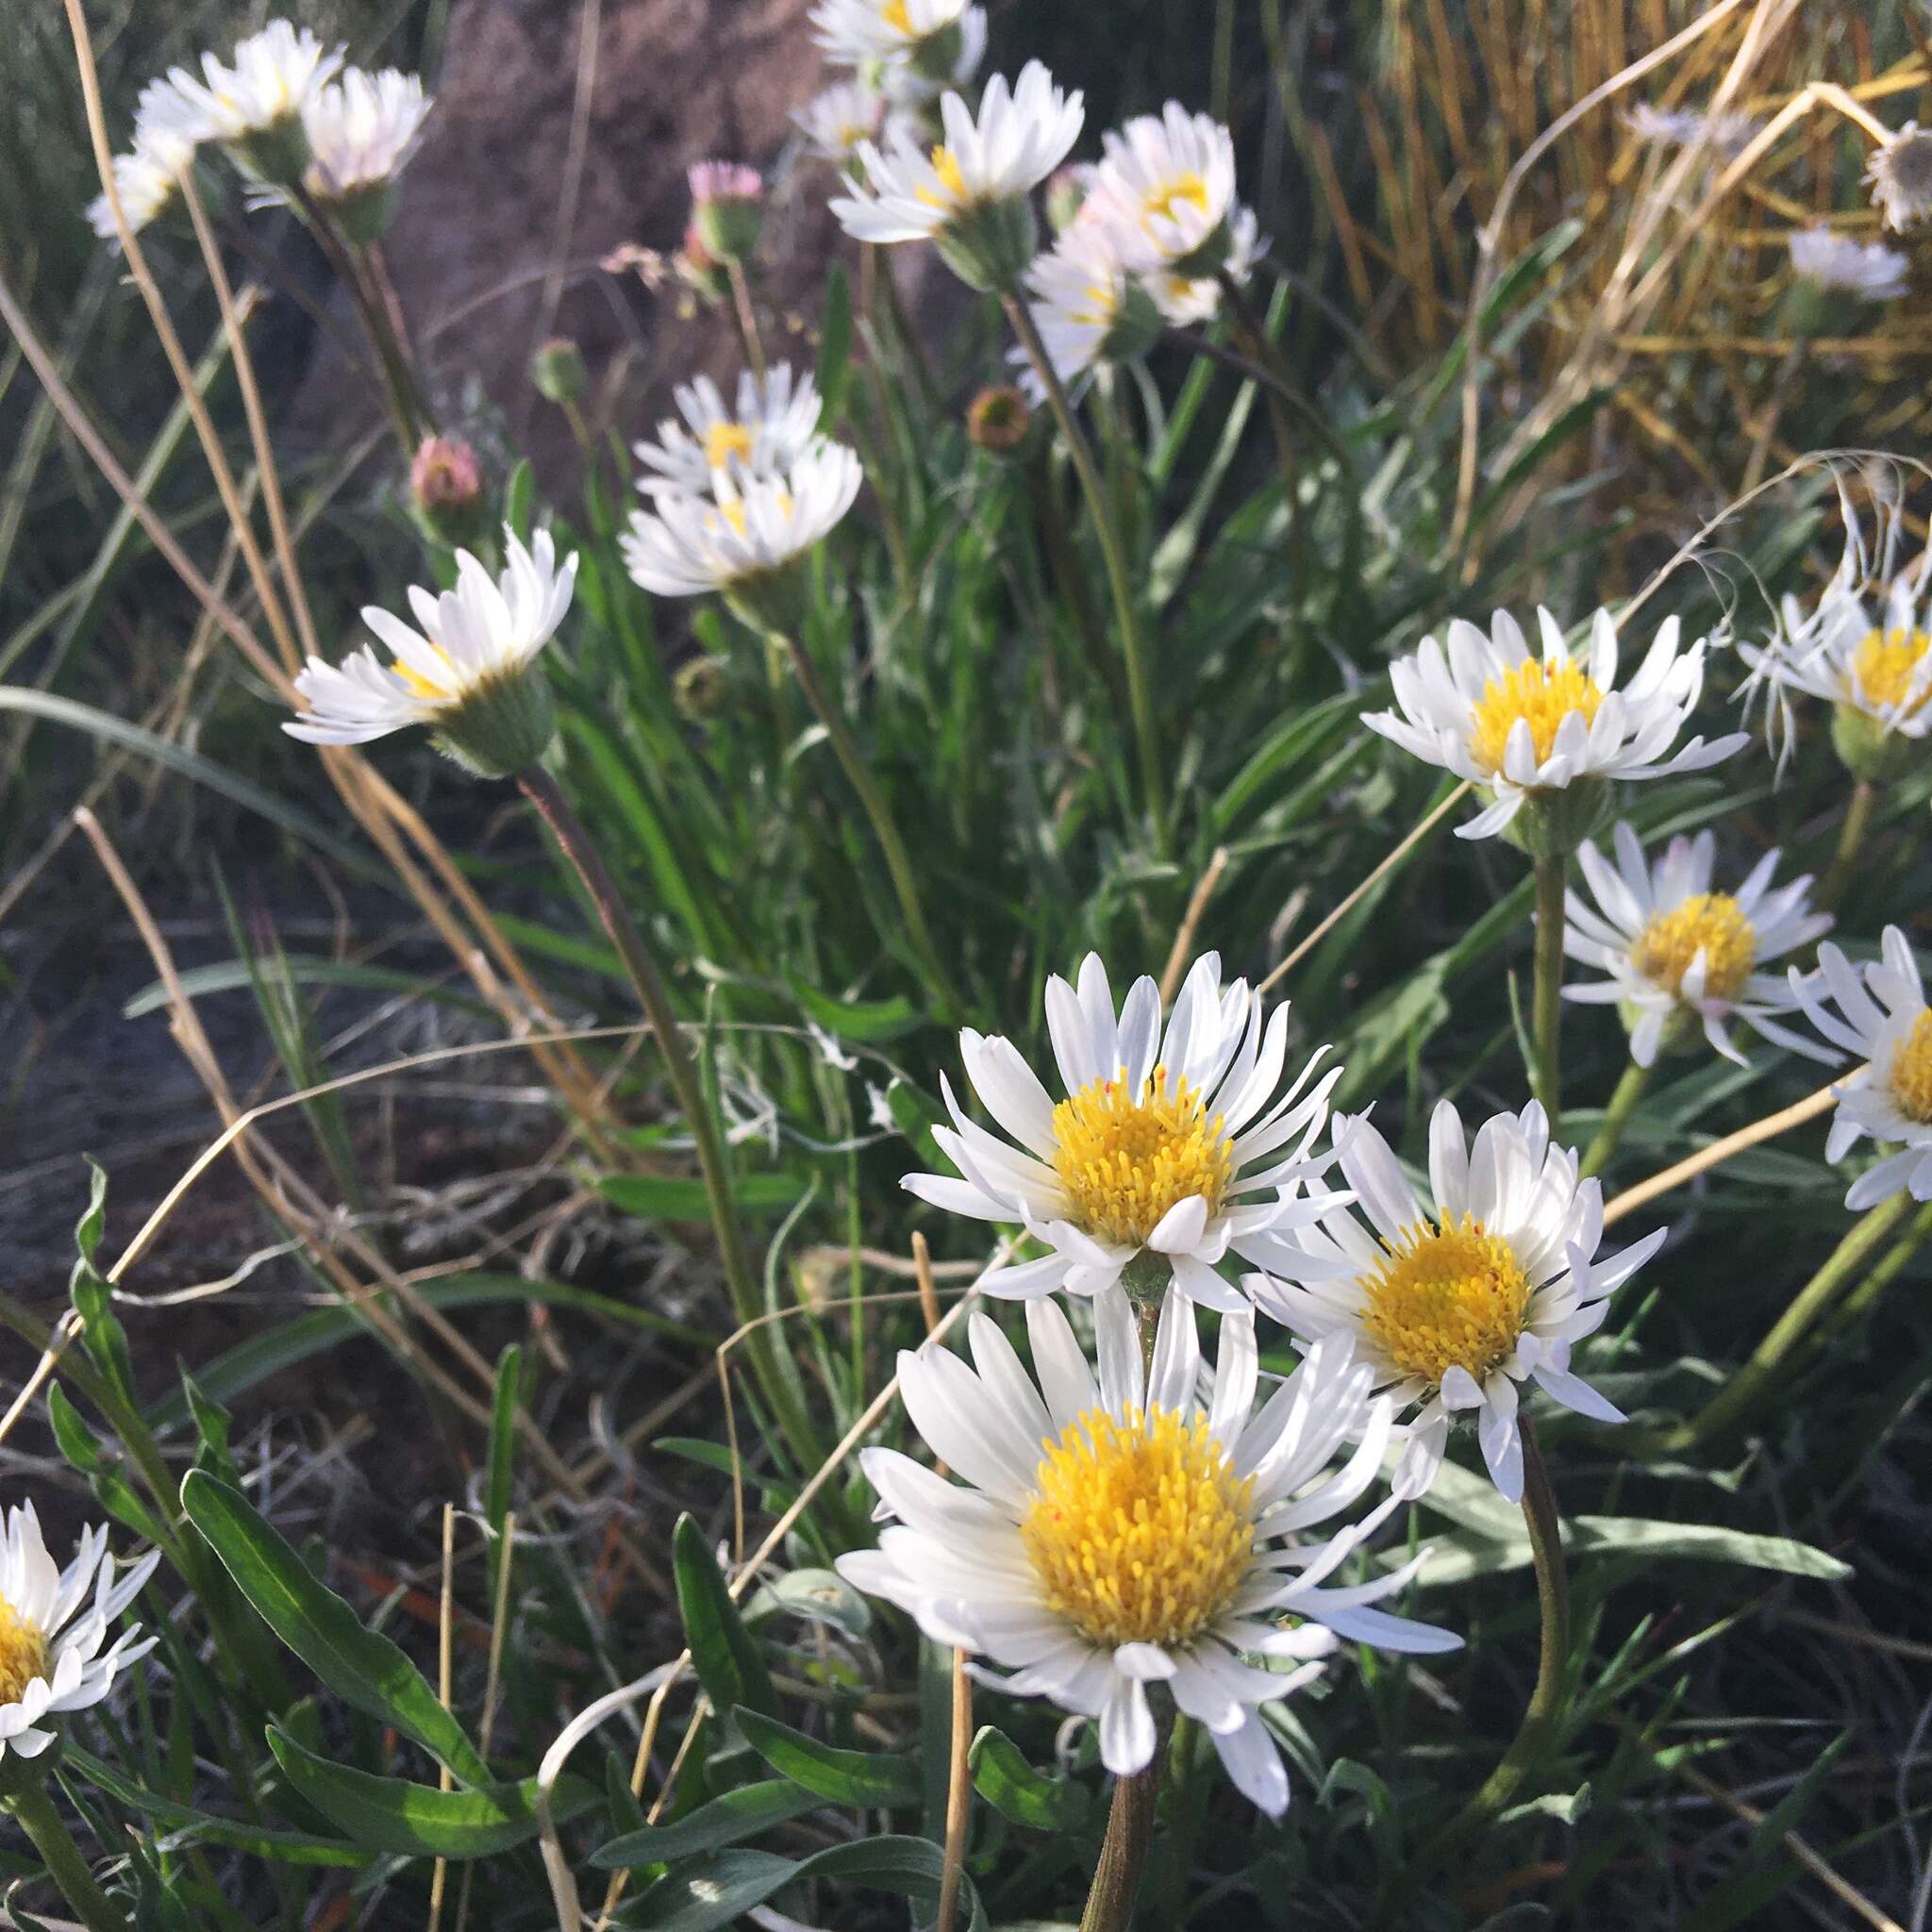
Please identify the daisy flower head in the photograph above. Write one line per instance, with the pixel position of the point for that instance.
(255, 104)
(1900, 172)
(467, 673)
(1183, 298)
(1171, 1148)
(1165, 185)
(1679, 956)
(52, 1624)
(361, 129)
(916, 46)
(836, 121)
(969, 195)
(764, 430)
(748, 539)
(148, 179)
(1546, 736)
(1455, 1304)
(1882, 1021)
(1838, 261)
(1114, 1534)
(1088, 307)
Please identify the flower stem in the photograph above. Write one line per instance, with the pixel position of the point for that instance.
(1123, 1851)
(1616, 1117)
(1883, 1270)
(1736, 1401)
(747, 318)
(1850, 837)
(884, 828)
(1186, 1805)
(774, 1381)
(37, 1815)
(1133, 645)
(1547, 1023)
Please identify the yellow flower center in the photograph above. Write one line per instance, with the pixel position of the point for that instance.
(1912, 1072)
(22, 1654)
(1166, 200)
(1711, 923)
(1128, 1157)
(1528, 691)
(1140, 1531)
(946, 165)
(723, 441)
(1883, 666)
(428, 688)
(1452, 1296)
(896, 16)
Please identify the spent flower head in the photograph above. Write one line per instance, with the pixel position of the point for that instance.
(1724, 134)
(1900, 171)
(1840, 262)
(1114, 1534)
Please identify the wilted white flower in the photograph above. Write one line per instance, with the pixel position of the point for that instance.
(1837, 261)
(1168, 1151)
(1678, 953)
(1882, 1019)
(1900, 171)
(1454, 1305)
(1114, 1533)
(772, 424)
(52, 1624)
(1727, 134)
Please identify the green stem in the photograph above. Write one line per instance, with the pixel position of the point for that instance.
(884, 828)
(1884, 1270)
(1133, 645)
(1736, 1401)
(35, 1814)
(1616, 1117)
(771, 1372)
(1850, 837)
(1547, 1022)
(1123, 1851)
(1252, 336)
(747, 318)
(1186, 1805)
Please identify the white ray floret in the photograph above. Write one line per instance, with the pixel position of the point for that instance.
(762, 432)
(1115, 1533)
(1165, 186)
(1877, 1014)
(361, 129)
(1840, 261)
(471, 640)
(1675, 952)
(53, 1624)
(1487, 710)
(835, 122)
(267, 85)
(1180, 1147)
(1455, 1304)
(857, 33)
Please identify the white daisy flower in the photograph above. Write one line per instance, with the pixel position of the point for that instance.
(361, 129)
(836, 121)
(914, 46)
(1837, 261)
(258, 99)
(773, 424)
(1183, 299)
(462, 674)
(1088, 307)
(1678, 953)
(1165, 185)
(1455, 1305)
(1178, 1147)
(148, 179)
(1117, 1532)
(52, 1624)
(1882, 1021)
(1900, 172)
(746, 538)
(968, 194)
(1522, 727)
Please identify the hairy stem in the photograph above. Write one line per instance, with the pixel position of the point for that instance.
(38, 1816)
(1123, 1851)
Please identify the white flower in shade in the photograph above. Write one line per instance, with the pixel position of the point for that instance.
(147, 180)
(266, 86)
(1900, 172)
(1114, 1533)
(1837, 261)
(917, 46)
(1678, 953)
(1517, 725)
(1454, 1305)
(835, 122)
(1728, 134)
(464, 674)
(1183, 299)
(968, 194)
(1179, 1147)
(1165, 186)
(361, 129)
(743, 539)
(1881, 1020)
(772, 424)
(1088, 307)
(53, 1623)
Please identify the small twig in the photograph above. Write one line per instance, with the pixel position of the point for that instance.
(1190, 920)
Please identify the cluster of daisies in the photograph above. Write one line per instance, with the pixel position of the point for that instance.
(296, 121)
(895, 56)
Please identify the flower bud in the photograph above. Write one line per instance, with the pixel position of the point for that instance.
(557, 371)
(699, 269)
(702, 688)
(446, 490)
(999, 419)
(726, 209)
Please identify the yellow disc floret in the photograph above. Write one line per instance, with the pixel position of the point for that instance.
(22, 1654)
(1912, 1072)
(898, 16)
(945, 164)
(1185, 189)
(1128, 1157)
(1448, 1297)
(1544, 698)
(1887, 663)
(1708, 922)
(431, 689)
(1140, 1532)
(723, 441)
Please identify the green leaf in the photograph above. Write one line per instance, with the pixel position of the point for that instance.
(1002, 1778)
(674, 1197)
(865, 1021)
(392, 1814)
(359, 1665)
(873, 1780)
(722, 1651)
(503, 1435)
(822, 1595)
(835, 345)
(520, 499)
(737, 1815)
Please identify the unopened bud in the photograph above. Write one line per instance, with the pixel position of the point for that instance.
(557, 371)
(726, 209)
(446, 490)
(998, 420)
(702, 688)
